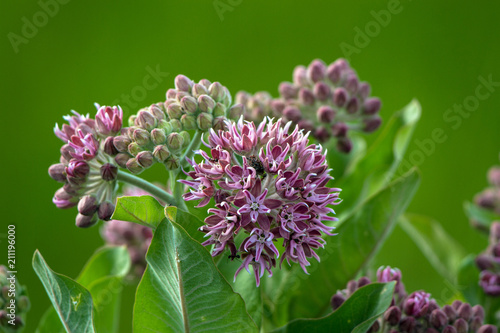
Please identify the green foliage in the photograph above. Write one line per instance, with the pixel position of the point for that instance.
(480, 217)
(440, 249)
(102, 276)
(144, 210)
(182, 290)
(356, 315)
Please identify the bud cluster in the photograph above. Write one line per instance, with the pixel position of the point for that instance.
(269, 183)
(159, 133)
(489, 263)
(136, 237)
(417, 312)
(329, 101)
(14, 302)
(490, 197)
(86, 166)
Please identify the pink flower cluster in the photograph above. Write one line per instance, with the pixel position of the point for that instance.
(268, 183)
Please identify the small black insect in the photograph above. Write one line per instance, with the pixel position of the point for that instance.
(255, 163)
(232, 257)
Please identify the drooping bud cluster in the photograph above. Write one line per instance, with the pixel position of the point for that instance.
(417, 312)
(489, 198)
(489, 263)
(136, 237)
(86, 166)
(159, 133)
(329, 101)
(269, 183)
(14, 303)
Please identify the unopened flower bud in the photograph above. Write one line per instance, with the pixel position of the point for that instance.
(353, 105)
(236, 111)
(188, 122)
(121, 143)
(106, 210)
(363, 281)
(322, 91)
(219, 110)
(206, 83)
(322, 134)
(216, 91)
(494, 176)
(88, 205)
(134, 148)
(199, 90)
(465, 311)
(392, 315)
(109, 172)
(475, 324)
(204, 121)
(438, 318)
(158, 136)
(461, 325)
(170, 94)
(206, 103)
(300, 76)
(189, 104)
(352, 83)
(316, 71)
(174, 141)
(339, 130)
(292, 113)
(372, 124)
(134, 166)
(66, 151)
(407, 325)
(174, 111)
(83, 221)
(487, 329)
(131, 120)
(336, 301)
(77, 169)
(372, 105)
(277, 106)
(478, 311)
(287, 90)
(449, 329)
(183, 83)
(344, 145)
(145, 159)
(121, 159)
(23, 303)
(109, 147)
(142, 137)
(176, 125)
(146, 120)
(340, 96)
(306, 125)
(450, 312)
(334, 72)
(186, 138)
(161, 153)
(486, 199)
(306, 96)
(484, 261)
(58, 172)
(325, 114)
(219, 123)
(364, 90)
(172, 163)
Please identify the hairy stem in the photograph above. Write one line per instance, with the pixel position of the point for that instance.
(193, 145)
(147, 186)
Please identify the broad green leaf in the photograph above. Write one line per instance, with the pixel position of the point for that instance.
(381, 160)
(441, 250)
(144, 210)
(468, 281)
(183, 291)
(341, 162)
(345, 255)
(103, 276)
(187, 221)
(482, 218)
(71, 300)
(356, 315)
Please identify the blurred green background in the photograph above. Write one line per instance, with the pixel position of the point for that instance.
(90, 51)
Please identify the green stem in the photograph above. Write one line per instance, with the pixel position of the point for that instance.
(146, 186)
(194, 144)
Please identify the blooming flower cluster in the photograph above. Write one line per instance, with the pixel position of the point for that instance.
(490, 197)
(159, 133)
(136, 237)
(329, 101)
(12, 318)
(86, 166)
(489, 263)
(417, 312)
(269, 183)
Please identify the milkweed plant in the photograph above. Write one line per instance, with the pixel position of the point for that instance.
(267, 216)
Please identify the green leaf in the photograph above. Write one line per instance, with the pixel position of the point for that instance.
(144, 210)
(103, 276)
(345, 255)
(441, 250)
(381, 160)
(356, 315)
(71, 300)
(187, 221)
(482, 218)
(468, 281)
(183, 291)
